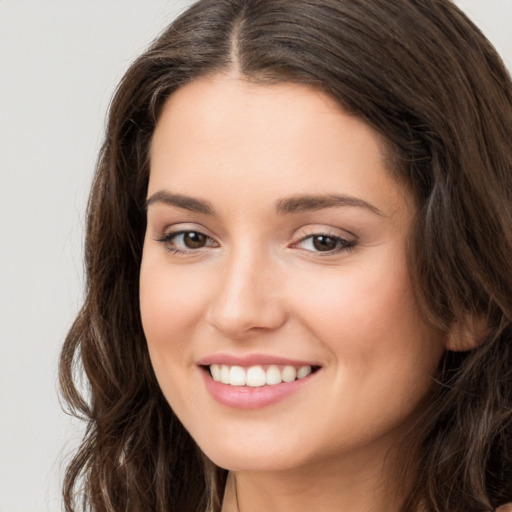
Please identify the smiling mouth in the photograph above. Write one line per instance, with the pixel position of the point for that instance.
(258, 376)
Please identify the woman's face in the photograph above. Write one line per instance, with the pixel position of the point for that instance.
(276, 246)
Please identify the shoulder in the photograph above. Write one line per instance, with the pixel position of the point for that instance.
(505, 508)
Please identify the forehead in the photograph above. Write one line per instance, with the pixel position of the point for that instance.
(210, 104)
(286, 138)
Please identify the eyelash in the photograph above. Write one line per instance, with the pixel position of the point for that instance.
(342, 245)
(169, 238)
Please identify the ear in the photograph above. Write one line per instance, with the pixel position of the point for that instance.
(467, 334)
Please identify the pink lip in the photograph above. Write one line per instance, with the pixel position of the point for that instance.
(251, 360)
(244, 397)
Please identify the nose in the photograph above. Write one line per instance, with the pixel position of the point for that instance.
(248, 297)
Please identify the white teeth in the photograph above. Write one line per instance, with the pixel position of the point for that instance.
(256, 376)
(224, 374)
(273, 375)
(303, 371)
(237, 376)
(289, 374)
(215, 371)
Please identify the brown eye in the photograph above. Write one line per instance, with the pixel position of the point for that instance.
(325, 243)
(194, 240)
(186, 241)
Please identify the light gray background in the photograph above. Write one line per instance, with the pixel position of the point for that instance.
(59, 63)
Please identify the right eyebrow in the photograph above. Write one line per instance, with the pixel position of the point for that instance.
(180, 201)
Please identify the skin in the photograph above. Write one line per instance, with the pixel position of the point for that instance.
(258, 285)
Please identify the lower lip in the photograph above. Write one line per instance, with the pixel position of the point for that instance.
(245, 397)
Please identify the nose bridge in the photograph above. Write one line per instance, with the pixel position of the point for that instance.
(246, 300)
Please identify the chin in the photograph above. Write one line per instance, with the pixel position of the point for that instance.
(256, 458)
(250, 462)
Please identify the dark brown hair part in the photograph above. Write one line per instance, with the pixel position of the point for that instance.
(425, 77)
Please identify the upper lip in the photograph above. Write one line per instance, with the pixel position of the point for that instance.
(252, 360)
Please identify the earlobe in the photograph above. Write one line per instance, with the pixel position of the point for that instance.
(467, 334)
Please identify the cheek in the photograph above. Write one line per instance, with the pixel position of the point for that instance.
(356, 298)
(366, 315)
(382, 353)
(170, 307)
(171, 301)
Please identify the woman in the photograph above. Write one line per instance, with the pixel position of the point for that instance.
(299, 276)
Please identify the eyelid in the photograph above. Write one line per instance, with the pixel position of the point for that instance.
(170, 234)
(309, 232)
(176, 228)
(343, 242)
(173, 234)
(326, 228)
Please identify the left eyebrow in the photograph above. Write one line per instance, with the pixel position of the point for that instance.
(305, 203)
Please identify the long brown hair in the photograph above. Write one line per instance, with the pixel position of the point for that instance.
(426, 78)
